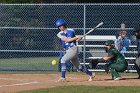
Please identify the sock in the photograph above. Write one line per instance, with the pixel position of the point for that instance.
(89, 73)
(63, 74)
(63, 70)
(84, 69)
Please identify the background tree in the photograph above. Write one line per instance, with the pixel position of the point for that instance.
(89, 1)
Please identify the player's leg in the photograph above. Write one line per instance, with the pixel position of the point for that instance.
(63, 61)
(114, 73)
(82, 68)
(73, 55)
(116, 68)
(70, 53)
(75, 61)
(63, 72)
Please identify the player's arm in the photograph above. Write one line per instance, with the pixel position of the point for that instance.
(106, 58)
(70, 39)
(94, 62)
(64, 38)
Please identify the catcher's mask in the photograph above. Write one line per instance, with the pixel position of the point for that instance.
(109, 44)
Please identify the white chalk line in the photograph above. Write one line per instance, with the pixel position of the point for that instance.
(20, 84)
(73, 78)
(29, 83)
(12, 79)
(25, 82)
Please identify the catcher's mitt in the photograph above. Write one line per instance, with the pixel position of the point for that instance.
(107, 67)
(94, 63)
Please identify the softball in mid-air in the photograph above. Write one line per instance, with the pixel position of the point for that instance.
(54, 62)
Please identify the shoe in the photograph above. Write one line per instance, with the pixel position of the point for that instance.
(62, 79)
(91, 77)
(113, 77)
(118, 78)
(138, 77)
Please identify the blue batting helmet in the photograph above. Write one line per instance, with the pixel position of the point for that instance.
(60, 22)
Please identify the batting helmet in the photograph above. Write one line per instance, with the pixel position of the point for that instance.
(60, 22)
(109, 42)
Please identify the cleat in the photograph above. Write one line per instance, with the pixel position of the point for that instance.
(113, 77)
(62, 79)
(118, 78)
(91, 77)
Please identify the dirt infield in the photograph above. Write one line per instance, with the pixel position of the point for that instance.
(18, 82)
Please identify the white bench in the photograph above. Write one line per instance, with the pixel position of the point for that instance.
(99, 37)
(101, 57)
(133, 46)
(95, 38)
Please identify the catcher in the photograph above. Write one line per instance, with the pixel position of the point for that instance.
(117, 62)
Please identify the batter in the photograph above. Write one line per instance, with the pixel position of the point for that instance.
(68, 41)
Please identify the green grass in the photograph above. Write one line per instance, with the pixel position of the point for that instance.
(34, 63)
(87, 89)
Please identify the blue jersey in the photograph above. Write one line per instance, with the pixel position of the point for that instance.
(122, 42)
(69, 34)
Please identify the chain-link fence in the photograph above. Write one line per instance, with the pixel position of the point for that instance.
(28, 32)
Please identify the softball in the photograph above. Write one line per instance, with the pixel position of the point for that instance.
(54, 62)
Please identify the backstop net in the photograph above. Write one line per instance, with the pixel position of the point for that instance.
(28, 40)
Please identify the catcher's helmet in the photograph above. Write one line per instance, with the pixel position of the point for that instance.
(60, 22)
(109, 43)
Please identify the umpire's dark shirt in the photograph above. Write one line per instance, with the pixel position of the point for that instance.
(138, 47)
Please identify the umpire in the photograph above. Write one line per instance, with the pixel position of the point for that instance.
(137, 62)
